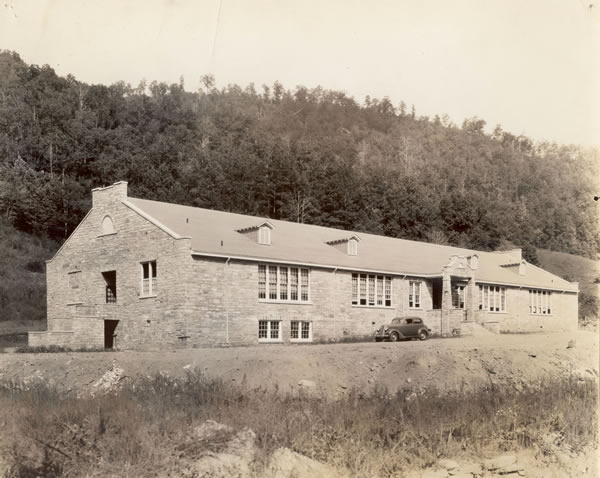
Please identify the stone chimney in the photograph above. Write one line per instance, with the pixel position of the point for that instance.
(115, 193)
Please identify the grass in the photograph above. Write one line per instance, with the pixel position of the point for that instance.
(13, 340)
(145, 429)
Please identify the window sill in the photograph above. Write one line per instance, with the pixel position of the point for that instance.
(270, 341)
(286, 302)
(415, 308)
(540, 315)
(109, 234)
(147, 297)
(355, 306)
(74, 303)
(300, 341)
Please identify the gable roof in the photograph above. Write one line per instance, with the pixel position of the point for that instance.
(215, 233)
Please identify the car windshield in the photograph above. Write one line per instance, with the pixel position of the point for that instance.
(397, 320)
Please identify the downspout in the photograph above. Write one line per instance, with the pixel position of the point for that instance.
(334, 315)
(227, 306)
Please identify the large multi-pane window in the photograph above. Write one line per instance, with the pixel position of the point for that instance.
(283, 283)
(149, 274)
(492, 298)
(300, 330)
(371, 290)
(269, 331)
(458, 296)
(540, 302)
(414, 294)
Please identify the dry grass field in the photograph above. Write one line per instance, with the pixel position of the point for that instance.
(363, 409)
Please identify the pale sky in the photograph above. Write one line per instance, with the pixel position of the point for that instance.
(532, 66)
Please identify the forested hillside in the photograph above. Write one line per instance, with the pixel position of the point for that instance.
(305, 154)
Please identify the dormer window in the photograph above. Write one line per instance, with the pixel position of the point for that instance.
(264, 235)
(352, 247)
(260, 233)
(348, 245)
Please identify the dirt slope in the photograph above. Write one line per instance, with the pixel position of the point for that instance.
(444, 364)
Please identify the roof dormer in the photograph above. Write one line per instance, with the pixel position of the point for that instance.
(520, 267)
(261, 233)
(349, 245)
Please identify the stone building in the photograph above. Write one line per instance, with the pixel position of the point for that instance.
(146, 274)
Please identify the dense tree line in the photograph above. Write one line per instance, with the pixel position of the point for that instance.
(308, 154)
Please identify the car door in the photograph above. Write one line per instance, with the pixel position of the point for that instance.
(406, 329)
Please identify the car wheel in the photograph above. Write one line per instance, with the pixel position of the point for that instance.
(423, 335)
(394, 337)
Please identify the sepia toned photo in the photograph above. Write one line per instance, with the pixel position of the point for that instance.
(290, 239)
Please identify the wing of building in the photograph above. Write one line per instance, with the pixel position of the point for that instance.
(146, 274)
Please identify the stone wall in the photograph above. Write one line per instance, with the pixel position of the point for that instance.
(225, 307)
(214, 301)
(518, 319)
(76, 288)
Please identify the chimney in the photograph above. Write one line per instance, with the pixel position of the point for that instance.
(104, 196)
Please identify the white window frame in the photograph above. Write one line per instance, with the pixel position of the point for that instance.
(291, 284)
(352, 247)
(460, 295)
(264, 235)
(540, 302)
(414, 294)
(269, 329)
(151, 281)
(371, 290)
(300, 331)
(491, 299)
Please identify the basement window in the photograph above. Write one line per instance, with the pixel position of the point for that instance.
(149, 274)
(269, 331)
(300, 331)
(110, 280)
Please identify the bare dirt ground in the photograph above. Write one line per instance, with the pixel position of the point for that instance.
(333, 369)
(448, 365)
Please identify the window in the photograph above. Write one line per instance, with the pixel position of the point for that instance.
(458, 296)
(149, 274)
(264, 235)
(540, 302)
(269, 331)
(282, 283)
(110, 280)
(492, 298)
(352, 247)
(300, 330)
(414, 294)
(371, 290)
(108, 226)
(75, 287)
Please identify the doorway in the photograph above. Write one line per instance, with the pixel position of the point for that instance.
(110, 337)
(436, 293)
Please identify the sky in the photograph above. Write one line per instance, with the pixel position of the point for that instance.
(531, 66)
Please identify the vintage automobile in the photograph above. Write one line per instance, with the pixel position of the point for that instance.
(403, 328)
